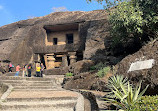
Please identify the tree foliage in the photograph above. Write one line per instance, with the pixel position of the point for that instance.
(135, 20)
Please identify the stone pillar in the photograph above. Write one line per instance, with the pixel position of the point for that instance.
(64, 61)
(72, 57)
(36, 61)
(38, 58)
(50, 61)
(45, 59)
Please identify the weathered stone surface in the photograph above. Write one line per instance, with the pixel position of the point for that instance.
(91, 97)
(80, 81)
(87, 81)
(148, 76)
(2, 70)
(20, 40)
(97, 35)
(81, 66)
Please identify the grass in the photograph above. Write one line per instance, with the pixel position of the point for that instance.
(69, 74)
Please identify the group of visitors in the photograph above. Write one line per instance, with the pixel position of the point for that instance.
(27, 69)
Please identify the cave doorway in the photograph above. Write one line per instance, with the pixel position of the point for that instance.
(79, 56)
(68, 60)
(42, 60)
(58, 61)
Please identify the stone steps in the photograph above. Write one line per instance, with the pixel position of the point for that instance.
(12, 74)
(31, 84)
(34, 103)
(10, 78)
(39, 99)
(21, 81)
(31, 81)
(33, 87)
(25, 78)
(52, 89)
(37, 94)
(43, 109)
(40, 104)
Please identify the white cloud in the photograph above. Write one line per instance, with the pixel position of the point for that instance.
(31, 17)
(1, 7)
(59, 9)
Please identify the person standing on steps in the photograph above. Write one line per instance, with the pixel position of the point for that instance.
(38, 70)
(29, 70)
(26, 71)
(17, 70)
(42, 69)
(10, 66)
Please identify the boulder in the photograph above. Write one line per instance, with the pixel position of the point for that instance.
(92, 99)
(80, 81)
(147, 75)
(81, 66)
(87, 81)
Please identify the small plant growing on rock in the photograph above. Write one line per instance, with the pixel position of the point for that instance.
(98, 66)
(102, 72)
(69, 74)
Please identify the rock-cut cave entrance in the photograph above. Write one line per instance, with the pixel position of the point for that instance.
(43, 60)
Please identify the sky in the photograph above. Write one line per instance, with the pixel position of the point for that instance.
(16, 10)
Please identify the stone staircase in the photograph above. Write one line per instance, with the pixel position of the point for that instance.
(33, 83)
(37, 94)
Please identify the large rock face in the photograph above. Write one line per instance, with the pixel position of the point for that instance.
(87, 81)
(148, 76)
(80, 66)
(21, 40)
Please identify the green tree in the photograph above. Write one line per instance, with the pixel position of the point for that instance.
(132, 20)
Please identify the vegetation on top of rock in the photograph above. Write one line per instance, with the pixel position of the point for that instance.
(102, 72)
(69, 74)
(98, 66)
(101, 68)
(125, 95)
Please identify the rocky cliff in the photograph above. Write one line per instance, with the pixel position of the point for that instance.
(18, 40)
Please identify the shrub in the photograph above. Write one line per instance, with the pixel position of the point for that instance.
(98, 66)
(69, 74)
(125, 95)
(102, 72)
(116, 82)
(146, 103)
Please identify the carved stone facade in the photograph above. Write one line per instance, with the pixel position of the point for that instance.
(55, 40)
(60, 36)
